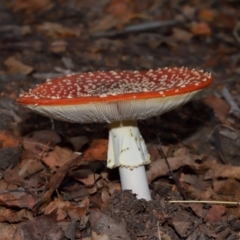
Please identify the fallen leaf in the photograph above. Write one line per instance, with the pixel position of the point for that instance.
(206, 15)
(181, 35)
(45, 137)
(13, 216)
(220, 107)
(43, 227)
(200, 29)
(58, 46)
(7, 139)
(8, 230)
(14, 66)
(96, 151)
(159, 167)
(58, 157)
(59, 207)
(215, 213)
(56, 180)
(29, 166)
(17, 199)
(30, 6)
(85, 175)
(58, 30)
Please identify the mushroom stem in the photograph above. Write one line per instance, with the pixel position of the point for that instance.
(127, 150)
(136, 181)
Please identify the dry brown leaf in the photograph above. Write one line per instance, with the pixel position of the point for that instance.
(7, 139)
(58, 46)
(58, 157)
(215, 213)
(17, 199)
(159, 167)
(206, 15)
(8, 230)
(11, 176)
(96, 151)
(78, 142)
(57, 30)
(60, 207)
(30, 6)
(200, 29)
(56, 180)
(85, 175)
(114, 186)
(3, 185)
(13, 216)
(106, 23)
(105, 197)
(181, 35)
(14, 66)
(43, 227)
(46, 137)
(29, 166)
(123, 10)
(220, 107)
(228, 188)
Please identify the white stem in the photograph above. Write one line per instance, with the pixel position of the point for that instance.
(126, 146)
(136, 181)
(127, 150)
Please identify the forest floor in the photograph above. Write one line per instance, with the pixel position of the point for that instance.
(48, 191)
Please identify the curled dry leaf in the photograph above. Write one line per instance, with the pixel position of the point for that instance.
(113, 187)
(17, 199)
(29, 166)
(40, 141)
(30, 6)
(181, 35)
(220, 107)
(8, 230)
(58, 157)
(200, 29)
(215, 213)
(43, 227)
(59, 207)
(96, 151)
(7, 139)
(15, 66)
(58, 30)
(13, 216)
(206, 15)
(159, 167)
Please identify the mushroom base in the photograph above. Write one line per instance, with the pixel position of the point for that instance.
(136, 181)
(126, 147)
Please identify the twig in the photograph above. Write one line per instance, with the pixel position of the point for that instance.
(159, 235)
(169, 168)
(235, 31)
(204, 202)
(137, 28)
(234, 109)
(216, 138)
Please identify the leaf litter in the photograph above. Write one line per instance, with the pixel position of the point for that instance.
(54, 183)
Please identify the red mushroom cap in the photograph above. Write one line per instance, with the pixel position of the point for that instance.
(93, 88)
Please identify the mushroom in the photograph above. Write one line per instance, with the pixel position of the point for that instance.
(120, 99)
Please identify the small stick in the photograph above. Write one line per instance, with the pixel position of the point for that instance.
(234, 109)
(136, 28)
(159, 235)
(170, 170)
(204, 202)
